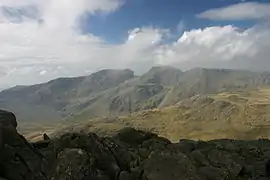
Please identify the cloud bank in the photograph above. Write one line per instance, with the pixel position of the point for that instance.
(41, 40)
(241, 11)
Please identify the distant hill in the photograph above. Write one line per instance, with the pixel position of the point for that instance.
(61, 97)
(235, 115)
(111, 93)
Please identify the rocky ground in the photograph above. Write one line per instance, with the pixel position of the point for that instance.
(129, 155)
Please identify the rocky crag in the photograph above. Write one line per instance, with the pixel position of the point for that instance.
(129, 155)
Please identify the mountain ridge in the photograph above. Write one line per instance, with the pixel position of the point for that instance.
(110, 93)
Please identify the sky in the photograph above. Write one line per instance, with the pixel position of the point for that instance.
(45, 39)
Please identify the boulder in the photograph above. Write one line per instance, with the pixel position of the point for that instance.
(73, 164)
(19, 160)
(129, 155)
(133, 137)
(169, 165)
(46, 137)
(8, 119)
(125, 176)
(104, 158)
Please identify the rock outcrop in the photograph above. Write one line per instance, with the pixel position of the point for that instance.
(130, 155)
(18, 159)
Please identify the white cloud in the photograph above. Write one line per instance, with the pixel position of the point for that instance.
(225, 46)
(34, 52)
(30, 47)
(240, 11)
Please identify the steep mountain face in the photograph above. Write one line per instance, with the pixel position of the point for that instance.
(118, 92)
(163, 75)
(208, 81)
(59, 98)
(144, 92)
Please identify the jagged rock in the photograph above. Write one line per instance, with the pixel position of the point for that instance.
(129, 155)
(8, 119)
(19, 160)
(73, 164)
(46, 137)
(122, 156)
(91, 143)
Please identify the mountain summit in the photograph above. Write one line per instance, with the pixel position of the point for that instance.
(109, 93)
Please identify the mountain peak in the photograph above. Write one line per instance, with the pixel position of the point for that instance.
(91, 96)
(163, 68)
(109, 72)
(163, 75)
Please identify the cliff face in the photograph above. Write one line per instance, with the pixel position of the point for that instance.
(129, 155)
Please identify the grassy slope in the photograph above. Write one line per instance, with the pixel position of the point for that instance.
(240, 115)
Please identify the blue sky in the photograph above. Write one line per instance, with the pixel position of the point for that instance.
(45, 39)
(157, 13)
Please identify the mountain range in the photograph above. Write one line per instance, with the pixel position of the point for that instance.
(112, 93)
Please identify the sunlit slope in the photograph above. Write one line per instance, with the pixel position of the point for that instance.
(240, 115)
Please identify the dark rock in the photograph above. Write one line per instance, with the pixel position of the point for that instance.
(212, 173)
(104, 158)
(122, 157)
(167, 165)
(267, 168)
(41, 144)
(133, 137)
(156, 143)
(185, 146)
(73, 164)
(130, 155)
(125, 176)
(137, 173)
(200, 158)
(19, 160)
(101, 176)
(8, 119)
(46, 137)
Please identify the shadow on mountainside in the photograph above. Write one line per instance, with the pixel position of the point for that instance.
(129, 155)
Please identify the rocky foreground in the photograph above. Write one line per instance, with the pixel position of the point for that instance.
(130, 155)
